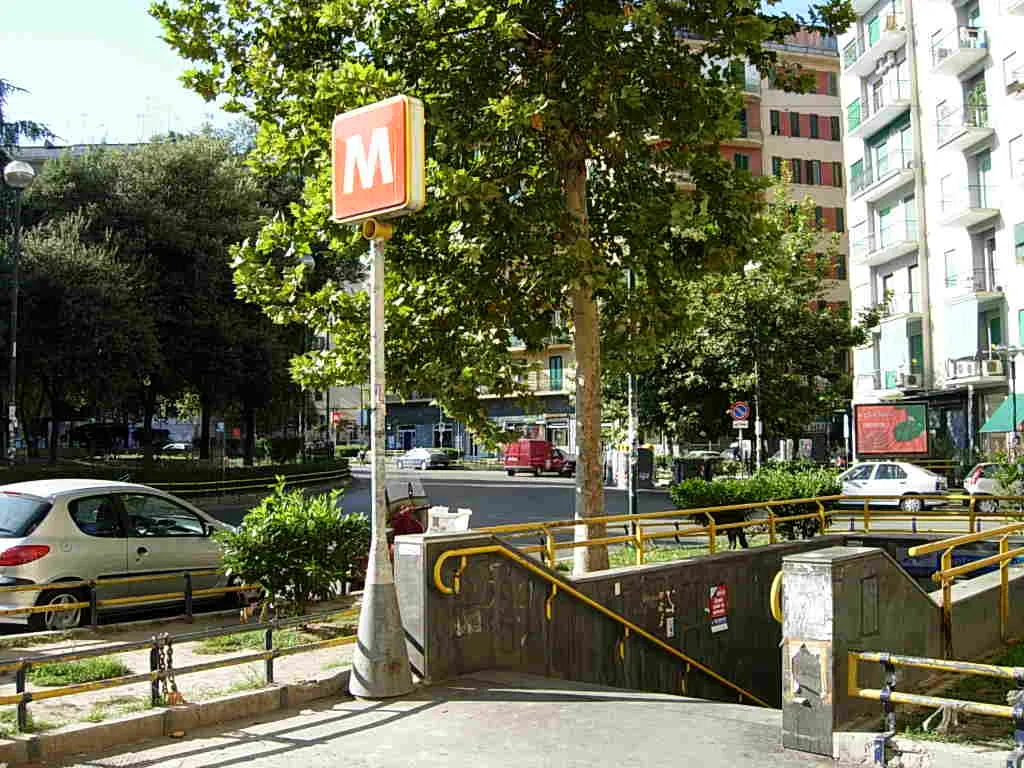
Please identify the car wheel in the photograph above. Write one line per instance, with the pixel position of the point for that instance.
(536, 473)
(511, 473)
(424, 465)
(986, 506)
(58, 620)
(911, 504)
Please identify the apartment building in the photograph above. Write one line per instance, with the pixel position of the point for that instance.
(931, 92)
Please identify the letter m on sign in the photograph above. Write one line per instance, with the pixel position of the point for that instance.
(378, 160)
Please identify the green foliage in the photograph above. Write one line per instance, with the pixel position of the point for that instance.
(296, 547)
(767, 484)
(283, 449)
(349, 451)
(74, 672)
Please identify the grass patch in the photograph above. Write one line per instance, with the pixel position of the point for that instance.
(250, 682)
(665, 552)
(9, 723)
(117, 707)
(74, 672)
(253, 641)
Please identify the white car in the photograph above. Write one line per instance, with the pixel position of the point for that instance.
(64, 530)
(893, 478)
(982, 481)
(423, 458)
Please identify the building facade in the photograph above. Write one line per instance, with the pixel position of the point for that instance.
(933, 121)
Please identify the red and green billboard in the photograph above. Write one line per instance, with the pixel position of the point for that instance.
(892, 430)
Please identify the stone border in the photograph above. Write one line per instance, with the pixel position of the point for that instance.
(90, 738)
(857, 749)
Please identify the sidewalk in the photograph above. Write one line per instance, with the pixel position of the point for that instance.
(487, 719)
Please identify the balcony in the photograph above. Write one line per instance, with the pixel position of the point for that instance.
(860, 58)
(546, 381)
(868, 383)
(901, 305)
(980, 370)
(884, 105)
(894, 170)
(963, 130)
(1015, 81)
(891, 242)
(979, 282)
(959, 50)
(748, 137)
(972, 205)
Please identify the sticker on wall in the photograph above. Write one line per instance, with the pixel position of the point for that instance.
(718, 607)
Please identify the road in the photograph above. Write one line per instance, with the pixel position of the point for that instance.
(495, 498)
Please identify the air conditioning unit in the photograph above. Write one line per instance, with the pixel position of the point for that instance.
(993, 367)
(908, 381)
(966, 368)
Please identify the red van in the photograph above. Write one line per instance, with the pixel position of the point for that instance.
(536, 456)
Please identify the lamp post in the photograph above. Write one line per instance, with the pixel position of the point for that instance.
(18, 175)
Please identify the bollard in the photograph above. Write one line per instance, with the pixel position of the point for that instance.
(268, 645)
(154, 666)
(1016, 758)
(94, 606)
(19, 679)
(188, 597)
(881, 740)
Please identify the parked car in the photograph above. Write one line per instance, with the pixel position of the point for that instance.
(536, 456)
(982, 481)
(177, 448)
(67, 530)
(893, 478)
(423, 458)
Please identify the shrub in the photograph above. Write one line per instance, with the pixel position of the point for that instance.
(453, 453)
(349, 451)
(298, 548)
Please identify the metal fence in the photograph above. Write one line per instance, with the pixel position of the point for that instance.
(253, 484)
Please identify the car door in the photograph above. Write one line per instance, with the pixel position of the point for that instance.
(857, 480)
(167, 537)
(890, 480)
(98, 548)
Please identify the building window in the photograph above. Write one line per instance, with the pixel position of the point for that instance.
(742, 117)
(814, 171)
(814, 127)
(1020, 327)
(777, 167)
(794, 123)
(833, 84)
(840, 220)
(555, 372)
(819, 215)
(837, 174)
(741, 161)
(1018, 242)
(796, 169)
(776, 120)
(834, 126)
(839, 266)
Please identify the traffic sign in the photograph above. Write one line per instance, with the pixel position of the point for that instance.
(740, 424)
(378, 160)
(740, 410)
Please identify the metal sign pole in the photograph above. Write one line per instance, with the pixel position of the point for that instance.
(380, 662)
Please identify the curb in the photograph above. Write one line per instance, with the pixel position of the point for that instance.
(91, 738)
(857, 749)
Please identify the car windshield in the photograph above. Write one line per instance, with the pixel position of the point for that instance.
(20, 514)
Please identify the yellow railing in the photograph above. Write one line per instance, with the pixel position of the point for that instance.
(889, 696)
(557, 585)
(947, 573)
(638, 536)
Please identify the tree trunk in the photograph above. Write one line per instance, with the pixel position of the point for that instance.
(54, 432)
(587, 340)
(249, 416)
(204, 428)
(149, 406)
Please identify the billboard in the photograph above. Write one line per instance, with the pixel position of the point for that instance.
(891, 429)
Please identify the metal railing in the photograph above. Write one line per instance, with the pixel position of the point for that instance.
(872, 172)
(961, 38)
(947, 573)
(251, 484)
(974, 280)
(188, 593)
(978, 196)
(889, 696)
(902, 304)
(867, 243)
(950, 124)
(560, 585)
(161, 670)
(852, 51)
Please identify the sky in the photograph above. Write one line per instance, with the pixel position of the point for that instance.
(97, 70)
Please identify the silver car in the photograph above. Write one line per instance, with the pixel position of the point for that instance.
(61, 530)
(423, 458)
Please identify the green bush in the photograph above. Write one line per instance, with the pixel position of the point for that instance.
(297, 548)
(767, 484)
(349, 451)
(453, 453)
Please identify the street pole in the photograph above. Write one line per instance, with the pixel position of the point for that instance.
(757, 415)
(380, 661)
(1013, 402)
(631, 470)
(12, 383)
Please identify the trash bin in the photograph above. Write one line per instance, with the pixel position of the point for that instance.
(644, 468)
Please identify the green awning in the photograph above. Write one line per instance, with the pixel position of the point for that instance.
(1002, 419)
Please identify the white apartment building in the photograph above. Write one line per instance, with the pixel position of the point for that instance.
(933, 96)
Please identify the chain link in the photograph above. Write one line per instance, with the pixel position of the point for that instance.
(174, 696)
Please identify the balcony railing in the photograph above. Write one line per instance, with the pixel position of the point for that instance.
(974, 196)
(953, 122)
(893, 161)
(893, 90)
(546, 381)
(869, 380)
(865, 243)
(959, 39)
(852, 51)
(902, 304)
(976, 280)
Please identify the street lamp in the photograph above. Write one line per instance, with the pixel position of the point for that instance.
(18, 175)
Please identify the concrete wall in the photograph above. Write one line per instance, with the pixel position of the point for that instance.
(498, 619)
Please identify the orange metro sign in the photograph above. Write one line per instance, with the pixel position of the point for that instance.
(378, 161)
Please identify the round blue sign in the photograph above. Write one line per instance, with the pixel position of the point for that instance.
(740, 410)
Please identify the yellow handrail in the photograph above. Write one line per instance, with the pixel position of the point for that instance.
(967, 538)
(497, 549)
